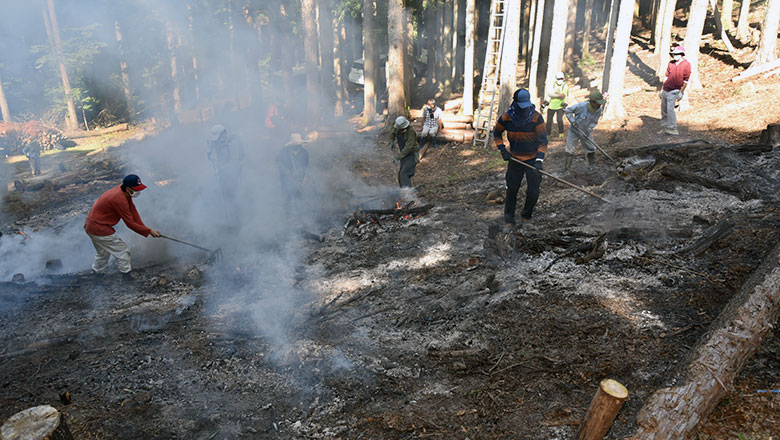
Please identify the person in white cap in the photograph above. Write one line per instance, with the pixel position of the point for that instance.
(406, 138)
(678, 72)
(558, 95)
(292, 163)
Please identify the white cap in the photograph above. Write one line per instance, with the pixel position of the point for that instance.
(559, 75)
(401, 122)
(216, 131)
(296, 139)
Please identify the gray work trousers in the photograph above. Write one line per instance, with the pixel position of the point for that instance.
(668, 116)
(406, 170)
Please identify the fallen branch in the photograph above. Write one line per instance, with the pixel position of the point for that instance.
(718, 358)
(710, 236)
(753, 71)
(98, 132)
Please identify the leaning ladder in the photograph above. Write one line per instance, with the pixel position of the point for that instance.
(488, 93)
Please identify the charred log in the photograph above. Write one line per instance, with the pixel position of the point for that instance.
(678, 174)
(710, 236)
(718, 358)
(771, 136)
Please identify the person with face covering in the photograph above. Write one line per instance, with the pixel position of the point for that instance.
(527, 136)
(226, 155)
(114, 205)
(406, 138)
(678, 72)
(584, 117)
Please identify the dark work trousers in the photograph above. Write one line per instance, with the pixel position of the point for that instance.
(550, 113)
(514, 178)
(406, 170)
(35, 165)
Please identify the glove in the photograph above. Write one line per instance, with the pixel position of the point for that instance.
(504, 154)
(564, 105)
(545, 103)
(679, 97)
(538, 166)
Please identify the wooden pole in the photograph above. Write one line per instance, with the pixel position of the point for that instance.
(37, 423)
(579, 188)
(603, 410)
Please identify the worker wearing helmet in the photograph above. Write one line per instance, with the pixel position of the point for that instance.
(678, 72)
(406, 138)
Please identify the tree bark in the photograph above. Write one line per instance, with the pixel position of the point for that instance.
(610, 43)
(5, 112)
(455, 19)
(340, 65)
(693, 31)
(310, 56)
(123, 72)
(666, 38)
(718, 358)
(603, 409)
(767, 48)
(743, 27)
(370, 61)
(193, 48)
(617, 75)
(53, 30)
(445, 79)
(408, 18)
(727, 20)
(571, 37)
(537, 44)
(174, 67)
(509, 54)
(555, 55)
(396, 96)
(719, 29)
(326, 40)
(468, 60)
(586, 28)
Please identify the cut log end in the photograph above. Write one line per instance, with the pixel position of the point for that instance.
(37, 423)
(603, 409)
(614, 389)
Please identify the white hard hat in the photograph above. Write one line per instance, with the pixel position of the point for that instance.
(296, 139)
(559, 75)
(401, 122)
(216, 131)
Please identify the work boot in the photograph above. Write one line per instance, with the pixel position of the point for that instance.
(567, 163)
(127, 277)
(672, 131)
(591, 158)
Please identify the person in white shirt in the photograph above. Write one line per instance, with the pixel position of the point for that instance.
(432, 123)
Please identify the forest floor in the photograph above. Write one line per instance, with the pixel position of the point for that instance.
(426, 326)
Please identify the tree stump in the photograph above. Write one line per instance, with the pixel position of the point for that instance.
(603, 410)
(771, 135)
(37, 423)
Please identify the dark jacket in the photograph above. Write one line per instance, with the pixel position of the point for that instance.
(407, 142)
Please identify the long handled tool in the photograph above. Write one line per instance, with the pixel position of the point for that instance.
(215, 256)
(545, 173)
(590, 142)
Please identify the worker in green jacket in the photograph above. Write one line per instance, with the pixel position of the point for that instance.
(405, 136)
(558, 94)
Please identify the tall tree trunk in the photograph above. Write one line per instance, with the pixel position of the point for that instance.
(530, 41)
(586, 28)
(123, 72)
(610, 43)
(53, 30)
(509, 53)
(169, 36)
(340, 65)
(727, 19)
(370, 61)
(5, 112)
(619, 58)
(743, 27)
(658, 24)
(693, 39)
(670, 6)
(446, 61)
(193, 48)
(408, 53)
(326, 37)
(468, 61)
(396, 98)
(455, 18)
(533, 90)
(720, 31)
(558, 29)
(310, 55)
(767, 48)
(432, 34)
(571, 37)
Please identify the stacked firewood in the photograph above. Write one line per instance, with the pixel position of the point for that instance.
(14, 136)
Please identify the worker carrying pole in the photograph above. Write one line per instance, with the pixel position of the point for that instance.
(114, 205)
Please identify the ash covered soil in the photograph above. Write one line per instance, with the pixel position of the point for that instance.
(436, 324)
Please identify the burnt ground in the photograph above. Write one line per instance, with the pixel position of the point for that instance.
(433, 326)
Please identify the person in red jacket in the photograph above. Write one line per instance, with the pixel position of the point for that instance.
(678, 72)
(110, 207)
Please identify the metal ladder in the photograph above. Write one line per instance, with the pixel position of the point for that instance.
(488, 93)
